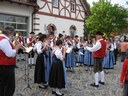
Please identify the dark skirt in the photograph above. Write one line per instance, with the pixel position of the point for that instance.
(39, 76)
(56, 78)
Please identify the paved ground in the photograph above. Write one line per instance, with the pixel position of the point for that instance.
(78, 83)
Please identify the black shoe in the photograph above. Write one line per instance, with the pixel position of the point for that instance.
(53, 92)
(43, 87)
(102, 83)
(81, 65)
(59, 94)
(93, 85)
(72, 71)
(30, 66)
(16, 67)
(33, 64)
(23, 59)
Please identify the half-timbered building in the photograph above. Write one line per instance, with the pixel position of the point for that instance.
(46, 16)
(60, 16)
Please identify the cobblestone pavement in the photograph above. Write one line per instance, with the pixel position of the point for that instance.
(78, 83)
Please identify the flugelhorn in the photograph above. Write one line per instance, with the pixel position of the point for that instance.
(25, 49)
(16, 42)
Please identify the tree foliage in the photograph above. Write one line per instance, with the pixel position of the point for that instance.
(106, 17)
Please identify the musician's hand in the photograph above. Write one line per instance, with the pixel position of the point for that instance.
(85, 47)
(18, 46)
(65, 49)
(121, 85)
(33, 40)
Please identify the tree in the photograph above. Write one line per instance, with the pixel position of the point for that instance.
(106, 17)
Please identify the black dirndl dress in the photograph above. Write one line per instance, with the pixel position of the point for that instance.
(39, 76)
(56, 78)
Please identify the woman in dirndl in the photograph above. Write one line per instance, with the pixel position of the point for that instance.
(39, 76)
(109, 60)
(88, 56)
(70, 57)
(48, 61)
(80, 55)
(57, 72)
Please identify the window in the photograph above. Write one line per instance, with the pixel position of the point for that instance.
(73, 5)
(20, 23)
(55, 3)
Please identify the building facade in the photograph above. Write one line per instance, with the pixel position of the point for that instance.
(46, 16)
(57, 16)
(17, 13)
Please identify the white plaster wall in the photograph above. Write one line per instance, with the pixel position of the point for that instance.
(60, 23)
(62, 13)
(16, 9)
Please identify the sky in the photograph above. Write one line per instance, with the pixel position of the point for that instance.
(120, 2)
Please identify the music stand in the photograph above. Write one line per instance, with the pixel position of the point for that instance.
(27, 73)
(26, 69)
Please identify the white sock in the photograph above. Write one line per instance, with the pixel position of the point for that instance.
(32, 60)
(22, 56)
(58, 91)
(96, 78)
(102, 76)
(17, 56)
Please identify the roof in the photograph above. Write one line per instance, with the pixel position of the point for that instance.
(85, 6)
(27, 2)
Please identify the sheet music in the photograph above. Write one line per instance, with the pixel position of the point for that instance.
(80, 53)
(28, 49)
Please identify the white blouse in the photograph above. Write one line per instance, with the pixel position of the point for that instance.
(58, 53)
(38, 47)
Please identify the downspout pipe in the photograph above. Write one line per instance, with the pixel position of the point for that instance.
(36, 8)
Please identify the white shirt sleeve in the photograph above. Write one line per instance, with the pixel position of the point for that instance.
(58, 54)
(51, 44)
(28, 41)
(96, 47)
(112, 47)
(7, 48)
(78, 45)
(39, 47)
